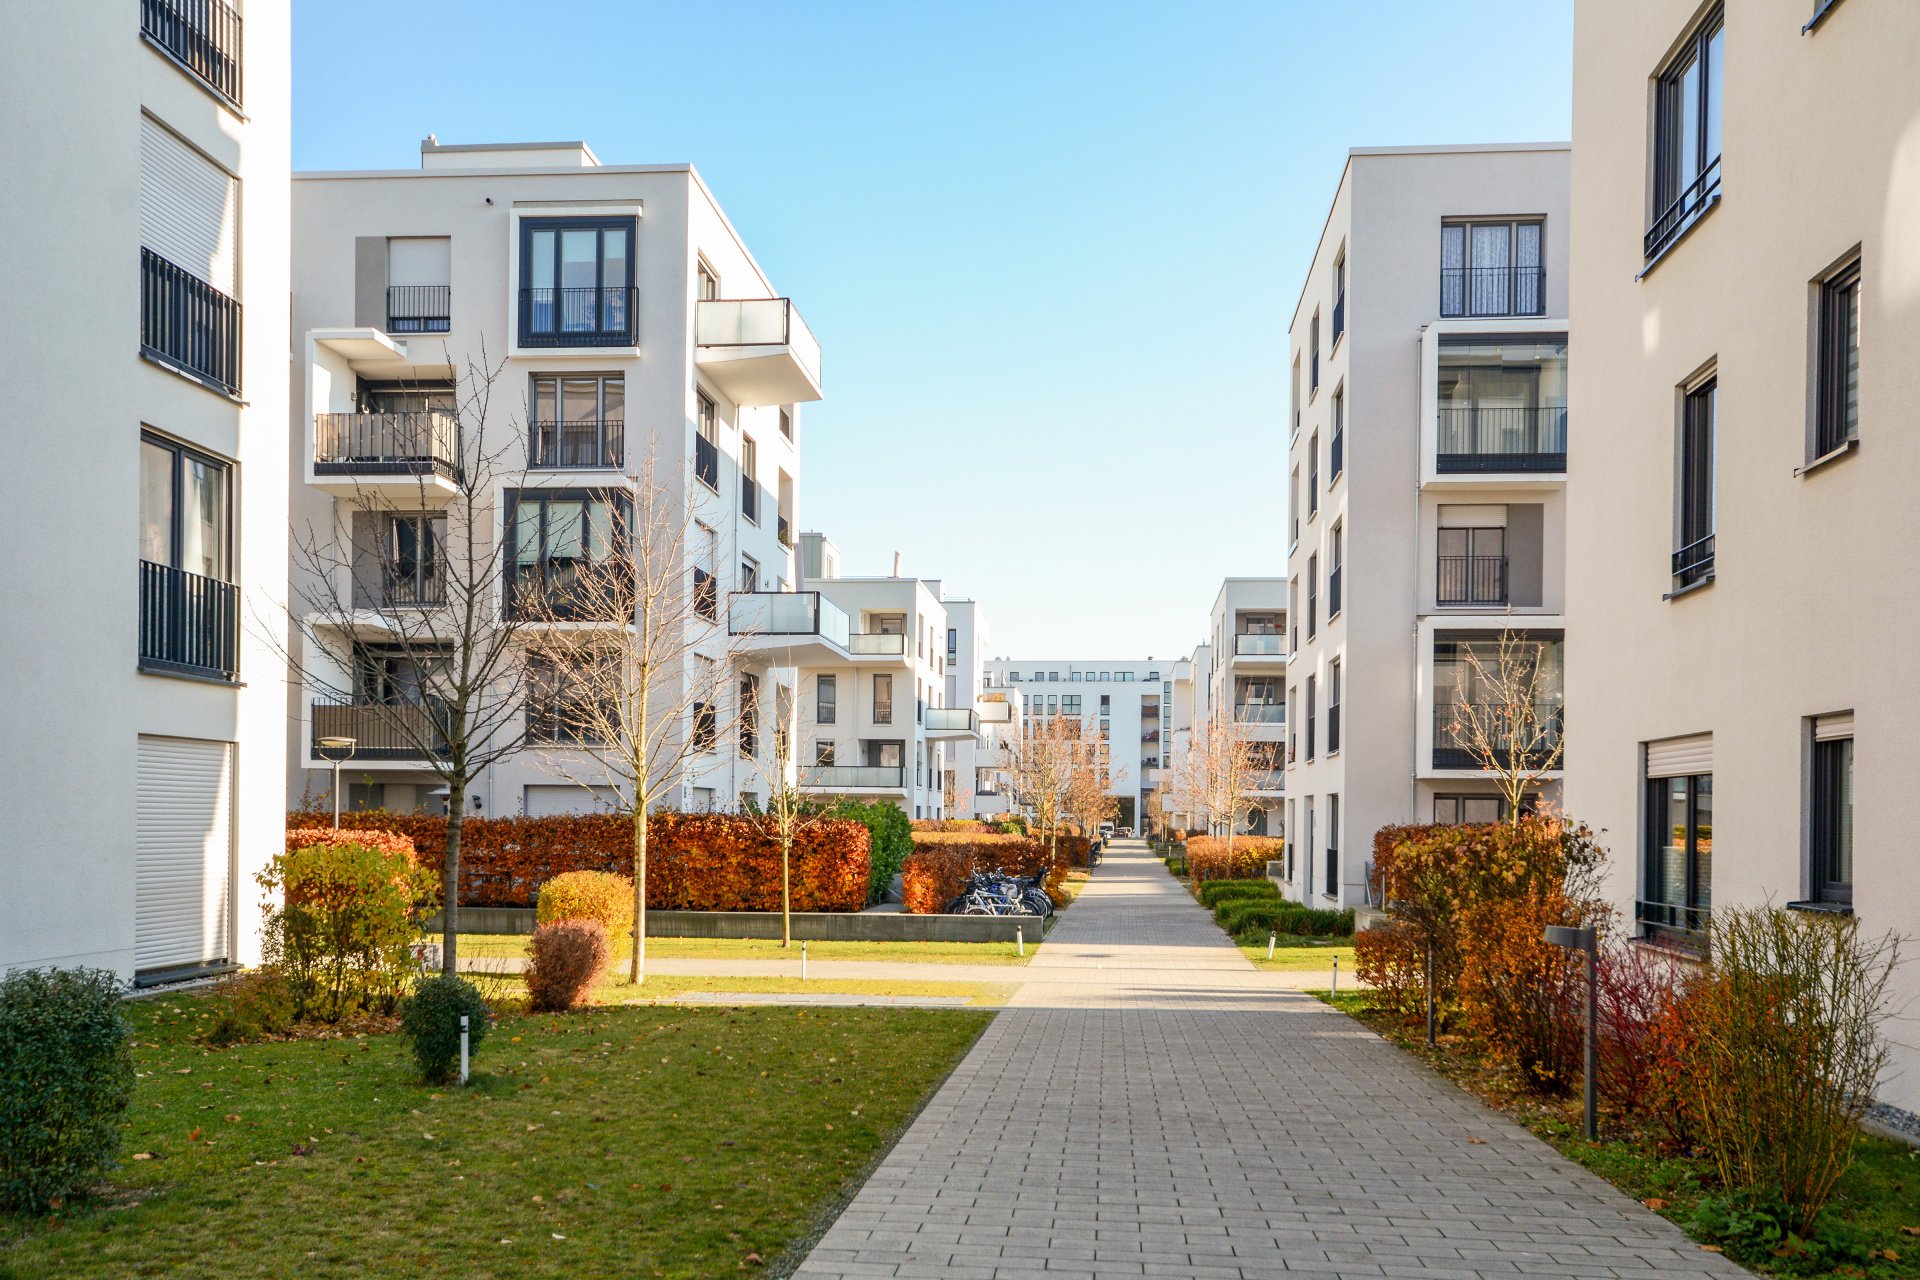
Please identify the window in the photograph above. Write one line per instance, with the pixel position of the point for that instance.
(1471, 567)
(824, 754)
(1313, 595)
(1311, 690)
(201, 39)
(786, 424)
(189, 217)
(1339, 296)
(1313, 356)
(1313, 475)
(706, 283)
(1492, 268)
(749, 714)
(561, 710)
(1837, 379)
(578, 421)
(1477, 810)
(419, 284)
(560, 552)
(706, 586)
(1336, 550)
(1466, 673)
(1686, 135)
(1293, 508)
(576, 282)
(189, 609)
(883, 699)
(749, 574)
(1331, 887)
(411, 566)
(749, 479)
(1679, 871)
(1337, 456)
(706, 442)
(1693, 561)
(826, 696)
(1830, 825)
(706, 692)
(1333, 706)
(1502, 404)
(1296, 395)
(953, 642)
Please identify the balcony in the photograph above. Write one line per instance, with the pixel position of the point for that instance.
(189, 623)
(585, 445)
(409, 447)
(1478, 439)
(1451, 744)
(757, 350)
(1260, 712)
(952, 722)
(1469, 580)
(995, 712)
(419, 308)
(393, 731)
(1467, 292)
(201, 36)
(853, 777)
(577, 317)
(188, 325)
(1260, 644)
(1266, 782)
(877, 644)
(789, 628)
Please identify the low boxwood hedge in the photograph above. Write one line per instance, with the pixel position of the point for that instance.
(1261, 916)
(1213, 892)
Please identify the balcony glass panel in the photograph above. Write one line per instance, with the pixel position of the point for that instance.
(1260, 646)
(830, 777)
(877, 644)
(757, 322)
(787, 613)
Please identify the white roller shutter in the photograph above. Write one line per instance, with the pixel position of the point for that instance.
(1457, 516)
(1680, 757)
(422, 260)
(549, 800)
(183, 884)
(189, 208)
(1834, 727)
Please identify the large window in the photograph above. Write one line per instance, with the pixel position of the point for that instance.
(1313, 475)
(1471, 689)
(189, 609)
(749, 715)
(826, 699)
(561, 549)
(1830, 827)
(1492, 269)
(1339, 297)
(1337, 447)
(1837, 400)
(1686, 135)
(576, 282)
(1313, 595)
(1478, 810)
(562, 709)
(1311, 687)
(1679, 871)
(883, 699)
(1336, 554)
(1472, 566)
(578, 420)
(413, 565)
(1693, 557)
(706, 441)
(1502, 404)
(1313, 356)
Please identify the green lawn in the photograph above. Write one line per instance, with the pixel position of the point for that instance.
(1303, 955)
(614, 989)
(515, 944)
(1875, 1209)
(642, 1141)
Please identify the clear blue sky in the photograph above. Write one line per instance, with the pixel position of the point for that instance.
(1050, 248)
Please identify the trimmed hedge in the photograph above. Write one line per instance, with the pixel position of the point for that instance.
(1214, 891)
(1208, 857)
(941, 862)
(695, 861)
(588, 895)
(889, 839)
(1238, 916)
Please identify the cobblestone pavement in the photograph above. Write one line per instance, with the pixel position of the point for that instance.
(1150, 1105)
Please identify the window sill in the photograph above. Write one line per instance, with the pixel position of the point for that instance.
(175, 673)
(200, 81)
(1660, 254)
(1668, 950)
(218, 388)
(1689, 589)
(1819, 16)
(1822, 908)
(1832, 455)
(1337, 338)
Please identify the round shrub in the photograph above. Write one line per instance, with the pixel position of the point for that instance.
(431, 1020)
(342, 921)
(568, 957)
(66, 1076)
(588, 895)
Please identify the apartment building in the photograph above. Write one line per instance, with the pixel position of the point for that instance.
(976, 777)
(1744, 263)
(1124, 704)
(1188, 710)
(1247, 680)
(144, 316)
(629, 342)
(869, 657)
(1428, 458)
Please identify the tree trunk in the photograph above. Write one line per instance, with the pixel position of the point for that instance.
(450, 880)
(637, 966)
(786, 889)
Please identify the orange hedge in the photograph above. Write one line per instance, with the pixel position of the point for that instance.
(932, 877)
(695, 861)
(941, 861)
(1208, 857)
(381, 837)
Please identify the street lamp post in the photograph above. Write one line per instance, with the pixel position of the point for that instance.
(1586, 941)
(336, 751)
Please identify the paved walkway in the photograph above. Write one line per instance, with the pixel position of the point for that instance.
(1150, 1105)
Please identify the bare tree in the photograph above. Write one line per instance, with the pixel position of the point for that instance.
(401, 601)
(1507, 713)
(630, 655)
(787, 812)
(1039, 764)
(1222, 765)
(1089, 799)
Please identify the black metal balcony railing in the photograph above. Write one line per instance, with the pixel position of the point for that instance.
(201, 35)
(1694, 562)
(426, 585)
(1684, 210)
(750, 500)
(189, 623)
(409, 443)
(188, 324)
(1493, 291)
(1483, 439)
(419, 308)
(1675, 925)
(1453, 742)
(577, 317)
(706, 462)
(1471, 580)
(588, 444)
(571, 591)
(391, 731)
(1336, 456)
(706, 595)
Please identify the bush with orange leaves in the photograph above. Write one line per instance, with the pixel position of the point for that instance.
(1209, 858)
(1522, 996)
(941, 861)
(566, 958)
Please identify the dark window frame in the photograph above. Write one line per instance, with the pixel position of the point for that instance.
(1837, 361)
(621, 521)
(602, 334)
(1681, 924)
(1525, 285)
(176, 533)
(1830, 823)
(1677, 206)
(826, 699)
(1696, 484)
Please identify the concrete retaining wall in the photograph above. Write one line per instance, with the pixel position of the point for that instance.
(866, 926)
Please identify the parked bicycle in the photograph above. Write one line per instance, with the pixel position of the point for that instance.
(994, 893)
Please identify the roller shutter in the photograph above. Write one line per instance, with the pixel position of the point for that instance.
(1834, 727)
(549, 800)
(1680, 757)
(189, 208)
(183, 887)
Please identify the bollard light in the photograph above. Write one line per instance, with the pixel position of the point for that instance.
(1587, 942)
(803, 959)
(1272, 940)
(1020, 938)
(463, 1048)
(1336, 976)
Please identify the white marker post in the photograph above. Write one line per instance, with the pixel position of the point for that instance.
(1272, 940)
(1020, 938)
(803, 959)
(463, 1048)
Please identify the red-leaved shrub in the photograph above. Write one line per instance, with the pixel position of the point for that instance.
(1643, 1038)
(941, 861)
(565, 960)
(1522, 995)
(1208, 857)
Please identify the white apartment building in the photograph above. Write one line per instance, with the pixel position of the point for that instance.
(632, 330)
(1188, 710)
(1126, 704)
(975, 776)
(1428, 486)
(1747, 358)
(1247, 680)
(869, 663)
(144, 315)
